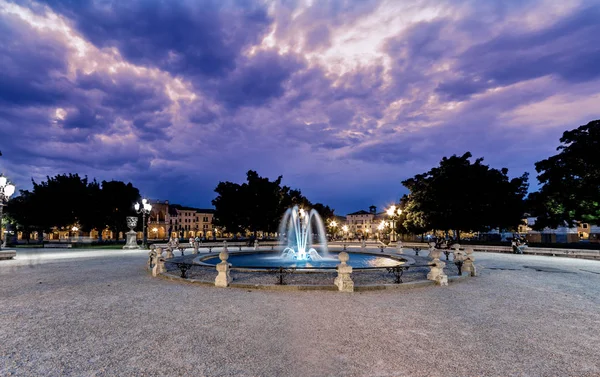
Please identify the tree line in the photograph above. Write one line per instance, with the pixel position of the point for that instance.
(258, 204)
(461, 195)
(68, 199)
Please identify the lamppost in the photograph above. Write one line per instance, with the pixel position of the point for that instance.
(345, 229)
(333, 226)
(381, 227)
(393, 214)
(144, 209)
(6, 191)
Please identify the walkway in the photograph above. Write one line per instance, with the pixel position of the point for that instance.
(71, 312)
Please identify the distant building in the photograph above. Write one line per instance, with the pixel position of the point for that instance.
(186, 222)
(365, 223)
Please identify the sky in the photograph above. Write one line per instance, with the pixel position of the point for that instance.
(344, 99)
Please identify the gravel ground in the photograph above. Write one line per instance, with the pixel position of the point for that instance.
(98, 313)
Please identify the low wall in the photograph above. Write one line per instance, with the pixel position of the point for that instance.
(549, 251)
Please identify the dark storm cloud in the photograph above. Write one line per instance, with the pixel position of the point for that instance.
(31, 66)
(257, 80)
(568, 49)
(187, 38)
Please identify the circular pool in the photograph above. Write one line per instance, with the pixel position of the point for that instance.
(274, 260)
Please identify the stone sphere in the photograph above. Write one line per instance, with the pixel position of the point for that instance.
(224, 255)
(344, 257)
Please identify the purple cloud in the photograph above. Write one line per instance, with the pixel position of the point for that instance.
(344, 98)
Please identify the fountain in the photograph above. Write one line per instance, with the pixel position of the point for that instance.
(303, 244)
(296, 231)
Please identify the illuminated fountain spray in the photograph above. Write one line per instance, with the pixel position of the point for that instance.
(297, 226)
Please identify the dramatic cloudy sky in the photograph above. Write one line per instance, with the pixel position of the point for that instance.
(343, 98)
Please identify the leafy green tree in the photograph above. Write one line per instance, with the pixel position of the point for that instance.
(462, 196)
(256, 205)
(324, 211)
(116, 200)
(65, 200)
(570, 180)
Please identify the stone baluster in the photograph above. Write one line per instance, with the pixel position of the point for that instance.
(255, 244)
(159, 266)
(459, 258)
(196, 245)
(343, 281)
(469, 265)
(437, 268)
(456, 250)
(223, 278)
(399, 247)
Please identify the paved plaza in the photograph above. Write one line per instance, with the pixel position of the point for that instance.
(99, 313)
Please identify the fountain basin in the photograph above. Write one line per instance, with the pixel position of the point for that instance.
(267, 260)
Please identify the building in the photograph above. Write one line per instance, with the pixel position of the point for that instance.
(561, 234)
(366, 223)
(186, 222)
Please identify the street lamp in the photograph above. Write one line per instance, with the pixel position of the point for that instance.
(393, 214)
(144, 209)
(380, 227)
(345, 229)
(333, 226)
(6, 191)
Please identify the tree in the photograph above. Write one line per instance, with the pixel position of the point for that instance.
(117, 200)
(570, 180)
(65, 200)
(324, 211)
(463, 196)
(256, 205)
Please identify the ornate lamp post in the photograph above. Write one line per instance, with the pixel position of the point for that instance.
(6, 191)
(144, 209)
(393, 214)
(333, 226)
(381, 227)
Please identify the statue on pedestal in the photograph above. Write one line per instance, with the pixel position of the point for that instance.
(131, 242)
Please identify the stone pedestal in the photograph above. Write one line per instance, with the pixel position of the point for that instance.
(131, 242)
(223, 278)
(159, 266)
(343, 281)
(468, 264)
(437, 268)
